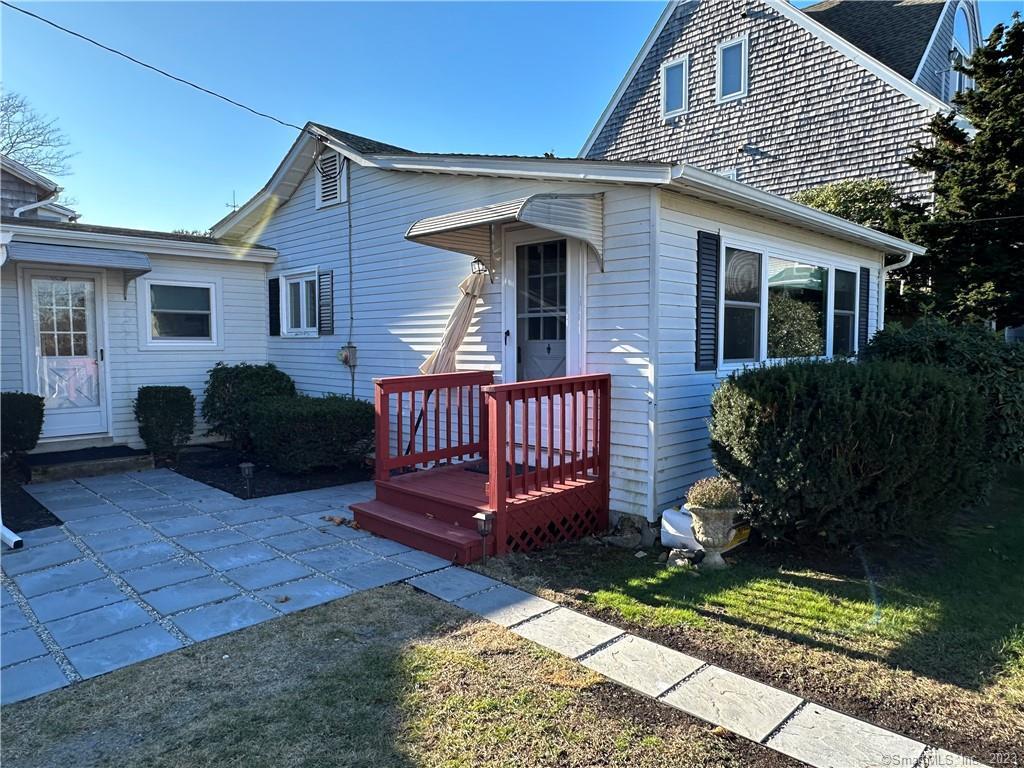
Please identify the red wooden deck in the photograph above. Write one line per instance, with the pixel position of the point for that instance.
(532, 455)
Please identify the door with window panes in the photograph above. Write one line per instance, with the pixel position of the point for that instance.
(65, 353)
(541, 310)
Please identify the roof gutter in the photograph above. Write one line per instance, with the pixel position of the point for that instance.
(883, 274)
(39, 204)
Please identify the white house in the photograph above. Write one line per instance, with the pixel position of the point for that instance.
(89, 314)
(658, 274)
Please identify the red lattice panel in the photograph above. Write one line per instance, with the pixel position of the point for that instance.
(565, 515)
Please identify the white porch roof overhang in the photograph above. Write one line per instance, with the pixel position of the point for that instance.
(475, 231)
(131, 263)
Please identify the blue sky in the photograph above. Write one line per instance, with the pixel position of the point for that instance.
(517, 78)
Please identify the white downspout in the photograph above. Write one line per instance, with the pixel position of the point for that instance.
(48, 199)
(882, 275)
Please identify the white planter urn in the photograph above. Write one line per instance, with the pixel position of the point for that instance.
(712, 529)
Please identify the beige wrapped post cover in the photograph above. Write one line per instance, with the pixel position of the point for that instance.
(442, 359)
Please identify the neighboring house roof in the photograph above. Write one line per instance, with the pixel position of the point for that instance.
(27, 175)
(681, 178)
(896, 32)
(814, 26)
(61, 210)
(147, 241)
(361, 143)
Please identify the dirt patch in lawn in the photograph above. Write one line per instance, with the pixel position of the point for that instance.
(388, 677)
(931, 646)
(21, 511)
(218, 466)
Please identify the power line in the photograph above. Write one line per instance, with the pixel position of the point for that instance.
(159, 71)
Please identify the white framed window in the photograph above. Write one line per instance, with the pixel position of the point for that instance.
(963, 48)
(331, 171)
(781, 306)
(731, 71)
(178, 313)
(675, 85)
(299, 309)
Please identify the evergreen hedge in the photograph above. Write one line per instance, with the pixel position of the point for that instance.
(21, 421)
(296, 435)
(232, 390)
(167, 418)
(994, 367)
(849, 451)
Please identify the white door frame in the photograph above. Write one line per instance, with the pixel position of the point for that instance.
(25, 274)
(575, 296)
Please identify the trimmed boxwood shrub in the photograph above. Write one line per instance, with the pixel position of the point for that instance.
(21, 421)
(167, 418)
(995, 367)
(232, 390)
(296, 435)
(849, 451)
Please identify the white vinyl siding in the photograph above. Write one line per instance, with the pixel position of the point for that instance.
(683, 393)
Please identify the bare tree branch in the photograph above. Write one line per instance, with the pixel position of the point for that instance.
(31, 138)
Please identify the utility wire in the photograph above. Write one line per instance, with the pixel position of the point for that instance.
(159, 71)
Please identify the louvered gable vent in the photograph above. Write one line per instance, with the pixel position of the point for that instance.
(330, 180)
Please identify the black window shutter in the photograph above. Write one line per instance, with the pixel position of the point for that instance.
(274, 305)
(325, 303)
(862, 309)
(708, 254)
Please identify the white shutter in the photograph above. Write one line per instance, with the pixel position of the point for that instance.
(330, 180)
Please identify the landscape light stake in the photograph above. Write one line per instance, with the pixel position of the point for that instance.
(248, 470)
(484, 525)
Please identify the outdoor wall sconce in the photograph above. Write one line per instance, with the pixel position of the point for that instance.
(248, 470)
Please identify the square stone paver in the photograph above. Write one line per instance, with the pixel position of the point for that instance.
(167, 512)
(101, 523)
(267, 573)
(12, 618)
(372, 574)
(45, 535)
(288, 504)
(236, 556)
(296, 595)
(642, 665)
(66, 602)
(215, 539)
(272, 526)
(244, 515)
(121, 650)
(221, 618)
(214, 504)
(135, 557)
(382, 547)
(316, 519)
(180, 526)
(163, 574)
(344, 532)
(567, 632)
(823, 738)
(60, 577)
(424, 562)
(136, 502)
(31, 679)
(119, 539)
(100, 509)
(97, 623)
(299, 541)
(335, 558)
(73, 499)
(20, 645)
(189, 594)
(32, 558)
(453, 583)
(744, 706)
(505, 605)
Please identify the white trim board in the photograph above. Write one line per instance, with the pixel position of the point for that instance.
(823, 33)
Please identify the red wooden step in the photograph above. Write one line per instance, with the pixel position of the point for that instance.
(451, 542)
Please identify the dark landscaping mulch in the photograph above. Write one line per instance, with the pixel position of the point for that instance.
(218, 466)
(21, 512)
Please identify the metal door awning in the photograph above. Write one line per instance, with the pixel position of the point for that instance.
(131, 263)
(475, 231)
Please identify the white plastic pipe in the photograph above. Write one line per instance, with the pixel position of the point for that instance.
(10, 538)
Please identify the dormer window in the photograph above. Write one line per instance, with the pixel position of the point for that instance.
(959, 54)
(731, 73)
(331, 178)
(675, 77)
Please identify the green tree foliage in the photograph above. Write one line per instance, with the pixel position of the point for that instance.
(976, 234)
(794, 328)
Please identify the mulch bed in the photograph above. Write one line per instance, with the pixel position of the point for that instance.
(218, 467)
(21, 512)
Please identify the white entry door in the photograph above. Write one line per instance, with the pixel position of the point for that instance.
(65, 352)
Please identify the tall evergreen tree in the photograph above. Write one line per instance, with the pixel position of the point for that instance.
(975, 237)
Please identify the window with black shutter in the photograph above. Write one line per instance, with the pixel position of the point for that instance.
(274, 306)
(325, 289)
(862, 319)
(708, 247)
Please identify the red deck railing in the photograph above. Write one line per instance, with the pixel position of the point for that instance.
(429, 419)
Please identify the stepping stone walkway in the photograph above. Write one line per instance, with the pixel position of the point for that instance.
(149, 562)
(778, 720)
